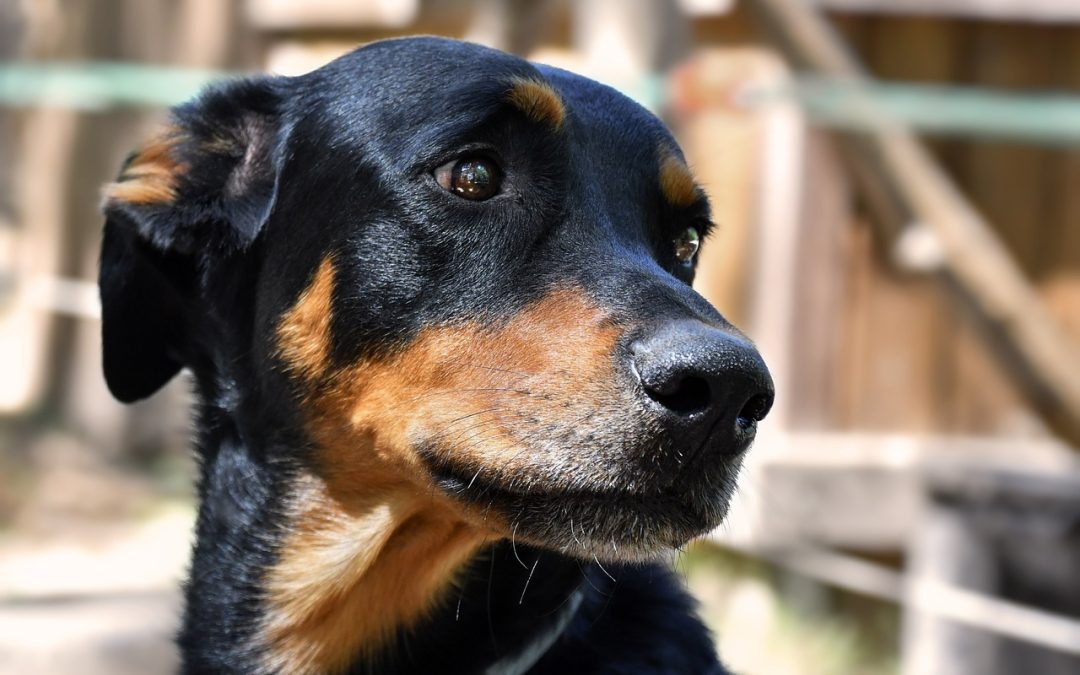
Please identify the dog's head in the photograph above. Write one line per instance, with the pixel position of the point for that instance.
(465, 275)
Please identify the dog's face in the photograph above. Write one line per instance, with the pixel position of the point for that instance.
(467, 276)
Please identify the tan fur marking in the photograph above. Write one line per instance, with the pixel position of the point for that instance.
(374, 545)
(304, 332)
(538, 101)
(676, 182)
(559, 348)
(354, 570)
(152, 175)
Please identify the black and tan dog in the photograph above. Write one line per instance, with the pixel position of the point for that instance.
(454, 389)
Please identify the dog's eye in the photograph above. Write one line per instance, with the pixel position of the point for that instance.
(687, 244)
(475, 178)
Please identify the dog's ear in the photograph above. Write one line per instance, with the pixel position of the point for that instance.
(196, 192)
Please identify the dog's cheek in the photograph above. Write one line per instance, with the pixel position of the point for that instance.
(486, 396)
(515, 400)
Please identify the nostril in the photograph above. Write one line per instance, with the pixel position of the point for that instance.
(684, 396)
(703, 378)
(755, 409)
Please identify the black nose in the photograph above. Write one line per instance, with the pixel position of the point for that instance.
(711, 384)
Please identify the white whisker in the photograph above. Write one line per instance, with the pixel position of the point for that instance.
(522, 598)
(604, 570)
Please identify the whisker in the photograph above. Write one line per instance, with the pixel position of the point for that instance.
(513, 546)
(475, 476)
(467, 441)
(496, 418)
(455, 391)
(533, 570)
(585, 576)
(491, 625)
(597, 560)
(469, 416)
(495, 369)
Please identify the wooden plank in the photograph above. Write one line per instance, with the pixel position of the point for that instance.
(890, 54)
(1061, 289)
(1006, 180)
(820, 359)
(730, 29)
(956, 361)
(984, 400)
(1016, 10)
(857, 340)
(898, 385)
(1067, 248)
(938, 59)
(910, 319)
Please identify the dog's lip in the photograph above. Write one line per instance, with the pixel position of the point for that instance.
(473, 485)
(647, 519)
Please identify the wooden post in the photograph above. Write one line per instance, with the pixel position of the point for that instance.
(947, 549)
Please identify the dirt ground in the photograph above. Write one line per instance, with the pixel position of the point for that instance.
(91, 558)
(100, 635)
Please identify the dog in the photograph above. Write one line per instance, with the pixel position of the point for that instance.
(455, 396)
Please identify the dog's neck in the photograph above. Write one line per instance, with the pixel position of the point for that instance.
(321, 582)
(353, 570)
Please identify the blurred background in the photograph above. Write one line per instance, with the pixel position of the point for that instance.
(897, 188)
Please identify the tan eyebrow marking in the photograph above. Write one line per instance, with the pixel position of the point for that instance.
(538, 100)
(677, 184)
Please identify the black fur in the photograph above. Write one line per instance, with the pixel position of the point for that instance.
(281, 172)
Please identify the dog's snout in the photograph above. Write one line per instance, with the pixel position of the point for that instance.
(709, 383)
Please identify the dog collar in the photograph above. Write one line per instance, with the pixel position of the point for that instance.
(526, 657)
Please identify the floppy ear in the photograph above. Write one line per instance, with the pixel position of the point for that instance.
(197, 191)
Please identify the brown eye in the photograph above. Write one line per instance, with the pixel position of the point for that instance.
(687, 244)
(473, 178)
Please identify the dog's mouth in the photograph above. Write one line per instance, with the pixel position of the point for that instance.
(610, 522)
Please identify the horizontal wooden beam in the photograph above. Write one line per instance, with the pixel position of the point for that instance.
(864, 490)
